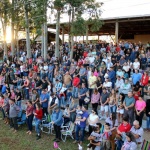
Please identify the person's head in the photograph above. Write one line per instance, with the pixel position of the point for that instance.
(93, 112)
(67, 106)
(121, 96)
(99, 125)
(130, 137)
(38, 105)
(95, 91)
(130, 94)
(107, 126)
(140, 98)
(11, 101)
(125, 120)
(104, 90)
(118, 77)
(83, 85)
(136, 71)
(56, 109)
(84, 108)
(136, 124)
(29, 103)
(113, 116)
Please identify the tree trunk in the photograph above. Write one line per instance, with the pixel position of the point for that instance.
(5, 44)
(12, 31)
(57, 34)
(45, 41)
(72, 37)
(27, 32)
(42, 48)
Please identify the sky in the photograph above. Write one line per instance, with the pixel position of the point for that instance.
(120, 8)
(123, 8)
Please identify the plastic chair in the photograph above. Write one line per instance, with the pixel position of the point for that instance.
(22, 120)
(67, 131)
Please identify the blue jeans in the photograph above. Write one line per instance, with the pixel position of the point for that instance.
(62, 101)
(119, 144)
(29, 122)
(18, 103)
(50, 77)
(75, 92)
(26, 92)
(37, 125)
(148, 122)
(81, 130)
(112, 109)
(68, 86)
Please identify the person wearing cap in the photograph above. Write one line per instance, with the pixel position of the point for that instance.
(57, 120)
(81, 127)
(137, 132)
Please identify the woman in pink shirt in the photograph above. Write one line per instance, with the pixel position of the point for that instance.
(12, 95)
(95, 98)
(96, 72)
(139, 108)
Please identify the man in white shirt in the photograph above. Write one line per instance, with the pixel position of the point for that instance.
(138, 132)
(136, 65)
(118, 83)
(109, 64)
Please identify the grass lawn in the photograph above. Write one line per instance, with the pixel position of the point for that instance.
(23, 141)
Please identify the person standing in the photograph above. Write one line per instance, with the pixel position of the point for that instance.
(38, 113)
(139, 109)
(13, 113)
(81, 126)
(29, 116)
(104, 99)
(148, 114)
(82, 95)
(57, 121)
(129, 103)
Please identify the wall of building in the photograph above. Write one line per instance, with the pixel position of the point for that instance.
(143, 38)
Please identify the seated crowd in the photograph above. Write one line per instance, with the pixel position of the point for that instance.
(104, 90)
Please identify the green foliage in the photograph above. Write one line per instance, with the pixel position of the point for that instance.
(78, 26)
(59, 4)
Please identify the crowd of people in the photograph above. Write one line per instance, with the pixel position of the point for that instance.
(104, 85)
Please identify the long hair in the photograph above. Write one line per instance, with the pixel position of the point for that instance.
(131, 136)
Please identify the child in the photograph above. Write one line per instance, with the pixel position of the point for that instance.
(95, 137)
(78, 115)
(105, 137)
(66, 115)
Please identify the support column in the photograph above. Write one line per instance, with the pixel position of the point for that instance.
(83, 38)
(98, 37)
(116, 31)
(87, 34)
(63, 35)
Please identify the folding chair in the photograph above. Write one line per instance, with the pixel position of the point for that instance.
(46, 124)
(22, 120)
(67, 131)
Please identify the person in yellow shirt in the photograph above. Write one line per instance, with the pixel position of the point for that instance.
(92, 83)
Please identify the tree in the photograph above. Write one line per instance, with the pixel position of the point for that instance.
(4, 17)
(78, 23)
(58, 6)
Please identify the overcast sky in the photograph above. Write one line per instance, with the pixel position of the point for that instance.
(120, 8)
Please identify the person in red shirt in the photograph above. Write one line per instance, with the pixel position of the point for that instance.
(29, 116)
(144, 79)
(35, 67)
(38, 118)
(123, 128)
(75, 83)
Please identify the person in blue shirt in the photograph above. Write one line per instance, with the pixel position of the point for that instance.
(50, 72)
(57, 121)
(112, 76)
(82, 94)
(44, 101)
(80, 127)
(136, 77)
(3, 89)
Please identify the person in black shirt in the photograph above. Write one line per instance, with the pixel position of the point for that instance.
(39, 85)
(18, 98)
(44, 84)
